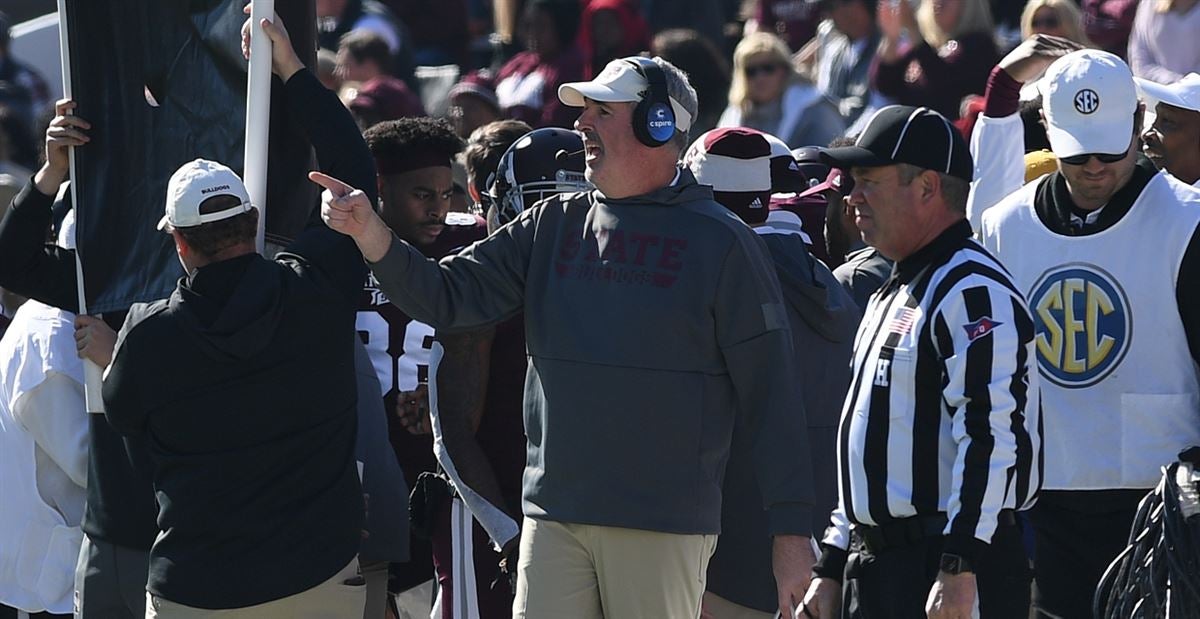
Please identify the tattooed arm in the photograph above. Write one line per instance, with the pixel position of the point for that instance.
(462, 378)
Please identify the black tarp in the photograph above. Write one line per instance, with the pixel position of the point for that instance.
(185, 56)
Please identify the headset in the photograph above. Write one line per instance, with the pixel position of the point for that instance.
(653, 118)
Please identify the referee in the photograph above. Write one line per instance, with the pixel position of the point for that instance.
(937, 447)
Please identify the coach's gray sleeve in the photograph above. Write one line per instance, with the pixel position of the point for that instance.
(756, 342)
(480, 286)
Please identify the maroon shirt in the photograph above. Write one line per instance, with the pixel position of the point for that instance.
(527, 86)
(939, 79)
(793, 20)
(1108, 23)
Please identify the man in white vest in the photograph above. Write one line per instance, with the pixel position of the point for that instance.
(1105, 251)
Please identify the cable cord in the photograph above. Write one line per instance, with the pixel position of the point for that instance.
(1157, 576)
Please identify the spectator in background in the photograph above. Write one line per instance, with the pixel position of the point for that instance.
(947, 57)
(363, 58)
(473, 104)
(381, 100)
(1108, 23)
(527, 85)
(611, 29)
(438, 29)
(706, 68)
(26, 91)
(708, 17)
(327, 70)
(795, 21)
(1059, 18)
(1164, 44)
(335, 18)
(1006, 14)
(768, 94)
(840, 56)
(11, 134)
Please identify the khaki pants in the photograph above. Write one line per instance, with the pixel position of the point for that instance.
(591, 572)
(718, 607)
(331, 599)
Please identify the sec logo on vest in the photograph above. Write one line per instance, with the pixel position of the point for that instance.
(1083, 324)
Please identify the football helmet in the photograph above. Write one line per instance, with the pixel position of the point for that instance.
(541, 164)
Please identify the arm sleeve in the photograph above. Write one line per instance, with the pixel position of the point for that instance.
(984, 337)
(835, 546)
(480, 286)
(55, 416)
(341, 153)
(29, 266)
(123, 405)
(1142, 60)
(998, 147)
(753, 333)
(1187, 294)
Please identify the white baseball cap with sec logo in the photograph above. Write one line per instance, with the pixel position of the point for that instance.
(1089, 99)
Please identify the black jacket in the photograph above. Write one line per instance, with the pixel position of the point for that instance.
(243, 382)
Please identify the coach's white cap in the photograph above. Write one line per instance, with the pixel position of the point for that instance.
(619, 82)
(1184, 94)
(192, 184)
(1089, 100)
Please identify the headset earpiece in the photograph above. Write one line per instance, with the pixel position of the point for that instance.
(653, 117)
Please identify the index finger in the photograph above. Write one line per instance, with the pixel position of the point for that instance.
(335, 186)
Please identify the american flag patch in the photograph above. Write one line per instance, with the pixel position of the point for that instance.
(902, 321)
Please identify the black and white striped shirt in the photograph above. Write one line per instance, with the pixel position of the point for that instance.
(942, 413)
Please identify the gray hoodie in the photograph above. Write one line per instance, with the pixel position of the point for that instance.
(649, 321)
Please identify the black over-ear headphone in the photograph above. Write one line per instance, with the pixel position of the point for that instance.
(653, 118)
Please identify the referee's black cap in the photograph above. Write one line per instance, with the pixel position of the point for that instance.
(917, 136)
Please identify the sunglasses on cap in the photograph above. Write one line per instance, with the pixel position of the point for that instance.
(765, 69)
(1103, 157)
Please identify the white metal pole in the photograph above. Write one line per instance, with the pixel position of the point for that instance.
(92, 374)
(258, 112)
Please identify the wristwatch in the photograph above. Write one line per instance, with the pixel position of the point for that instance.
(954, 564)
